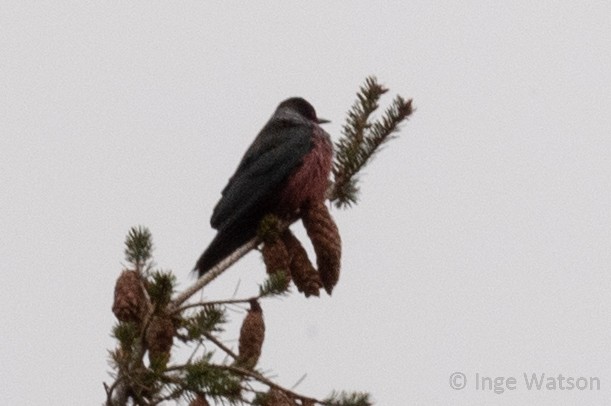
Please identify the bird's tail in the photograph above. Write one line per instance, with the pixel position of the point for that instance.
(227, 240)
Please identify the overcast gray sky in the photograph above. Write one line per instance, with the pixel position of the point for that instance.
(482, 241)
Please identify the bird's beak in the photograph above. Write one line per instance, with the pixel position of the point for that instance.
(323, 121)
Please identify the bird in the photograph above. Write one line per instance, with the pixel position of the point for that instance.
(285, 169)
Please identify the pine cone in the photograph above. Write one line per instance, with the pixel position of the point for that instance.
(159, 338)
(131, 302)
(304, 275)
(276, 259)
(199, 400)
(276, 397)
(252, 335)
(326, 241)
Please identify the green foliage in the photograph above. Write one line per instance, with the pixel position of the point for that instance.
(208, 320)
(349, 399)
(126, 333)
(259, 399)
(215, 381)
(362, 138)
(270, 228)
(158, 363)
(138, 247)
(160, 288)
(276, 284)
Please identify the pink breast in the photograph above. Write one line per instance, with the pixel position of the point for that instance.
(310, 181)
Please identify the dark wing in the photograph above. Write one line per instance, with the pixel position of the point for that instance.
(278, 149)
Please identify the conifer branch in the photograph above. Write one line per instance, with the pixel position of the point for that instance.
(362, 138)
(138, 248)
(271, 384)
(150, 317)
(348, 399)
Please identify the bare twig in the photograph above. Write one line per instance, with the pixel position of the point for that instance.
(258, 377)
(215, 302)
(212, 274)
(221, 345)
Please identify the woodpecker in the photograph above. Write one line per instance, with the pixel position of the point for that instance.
(285, 169)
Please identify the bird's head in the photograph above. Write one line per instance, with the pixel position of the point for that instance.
(303, 108)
